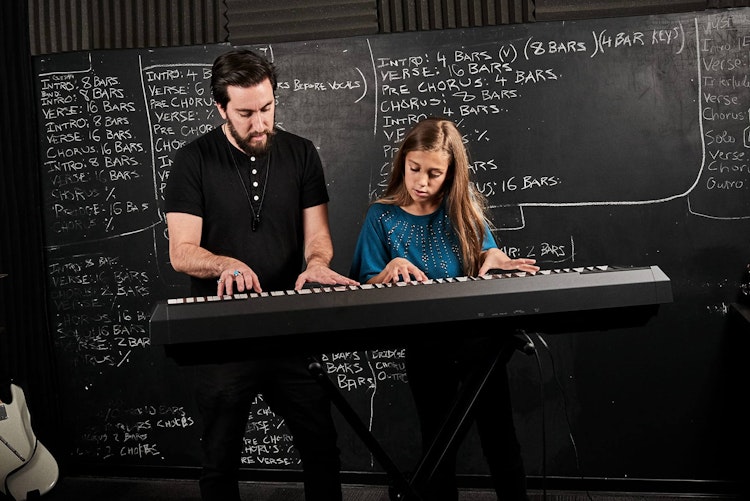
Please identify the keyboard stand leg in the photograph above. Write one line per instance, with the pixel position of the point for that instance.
(455, 426)
(401, 489)
(457, 423)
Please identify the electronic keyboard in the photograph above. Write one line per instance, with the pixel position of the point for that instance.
(321, 309)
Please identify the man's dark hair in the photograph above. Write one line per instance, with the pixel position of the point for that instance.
(241, 68)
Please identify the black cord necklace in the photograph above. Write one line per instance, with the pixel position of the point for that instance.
(256, 215)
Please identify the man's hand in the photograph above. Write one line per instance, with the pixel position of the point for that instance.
(241, 276)
(322, 275)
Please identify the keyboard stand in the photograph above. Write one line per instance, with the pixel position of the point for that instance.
(454, 428)
(399, 482)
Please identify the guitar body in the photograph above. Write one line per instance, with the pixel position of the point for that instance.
(27, 468)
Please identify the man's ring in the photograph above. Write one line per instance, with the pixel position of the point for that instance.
(237, 272)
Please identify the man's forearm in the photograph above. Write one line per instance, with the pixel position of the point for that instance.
(199, 262)
(319, 252)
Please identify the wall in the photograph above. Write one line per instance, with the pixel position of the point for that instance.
(618, 142)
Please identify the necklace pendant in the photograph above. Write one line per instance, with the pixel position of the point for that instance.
(255, 220)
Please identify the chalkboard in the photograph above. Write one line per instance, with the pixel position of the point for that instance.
(602, 142)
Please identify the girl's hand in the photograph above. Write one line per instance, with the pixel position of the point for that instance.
(399, 269)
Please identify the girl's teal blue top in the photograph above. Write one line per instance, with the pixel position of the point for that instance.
(428, 242)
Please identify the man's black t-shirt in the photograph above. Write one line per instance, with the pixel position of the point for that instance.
(205, 181)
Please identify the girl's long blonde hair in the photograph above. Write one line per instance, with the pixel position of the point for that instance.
(466, 206)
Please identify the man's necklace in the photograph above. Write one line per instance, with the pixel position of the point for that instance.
(256, 215)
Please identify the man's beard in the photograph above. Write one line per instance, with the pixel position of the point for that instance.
(246, 146)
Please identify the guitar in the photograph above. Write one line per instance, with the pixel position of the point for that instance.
(27, 468)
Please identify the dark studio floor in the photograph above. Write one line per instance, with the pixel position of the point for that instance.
(140, 489)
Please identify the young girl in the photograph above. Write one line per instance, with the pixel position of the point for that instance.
(431, 223)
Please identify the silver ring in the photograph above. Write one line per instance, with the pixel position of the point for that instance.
(237, 272)
(218, 281)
